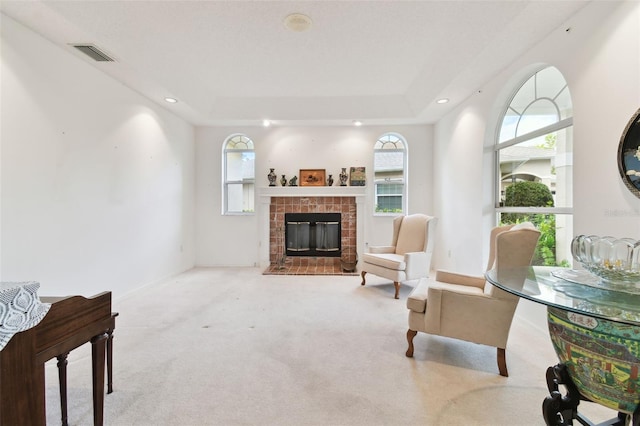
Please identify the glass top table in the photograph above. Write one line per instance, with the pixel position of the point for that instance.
(593, 328)
(572, 290)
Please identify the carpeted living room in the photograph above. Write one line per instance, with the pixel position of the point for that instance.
(231, 346)
(152, 150)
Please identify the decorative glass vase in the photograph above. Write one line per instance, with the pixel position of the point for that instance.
(614, 260)
(283, 180)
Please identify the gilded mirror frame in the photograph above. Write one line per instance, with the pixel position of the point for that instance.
(629, 154)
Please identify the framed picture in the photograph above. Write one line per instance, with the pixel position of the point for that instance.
(357, 176)
(312, 177)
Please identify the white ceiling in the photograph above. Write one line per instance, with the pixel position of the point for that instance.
(235, 63)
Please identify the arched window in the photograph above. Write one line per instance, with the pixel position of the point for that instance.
(534, 153)
(389, 168)
(238, 175)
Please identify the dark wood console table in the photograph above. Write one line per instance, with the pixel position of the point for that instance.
(70, 322)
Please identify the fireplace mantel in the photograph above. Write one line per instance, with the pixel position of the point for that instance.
(266, 193)
(312, 191)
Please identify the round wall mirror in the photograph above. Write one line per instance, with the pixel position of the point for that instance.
(629, 154)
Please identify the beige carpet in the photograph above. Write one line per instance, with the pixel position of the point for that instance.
(229, 346)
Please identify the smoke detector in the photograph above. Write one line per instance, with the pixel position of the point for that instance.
(297, 22)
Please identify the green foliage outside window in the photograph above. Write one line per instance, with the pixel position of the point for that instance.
(535, 194)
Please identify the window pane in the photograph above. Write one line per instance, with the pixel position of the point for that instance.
(240, 166)
(239, 142)
(240, 197)
(509, 125)
(549, 83)
(389, 204)
(389, 198)
(542, 100)
(388, 164)
(389, 189)
(546, 164)
(248, 169)
(554, 247)
(389, 141)
(540, 114)
(564, 104)
(524, 96)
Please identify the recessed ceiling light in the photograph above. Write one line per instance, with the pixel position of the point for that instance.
(357, 123)
(297, 22)
(442, 101)
(266, 123)
(171, 100)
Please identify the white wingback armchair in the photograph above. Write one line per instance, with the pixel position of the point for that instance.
(467, 307)
(409, 255)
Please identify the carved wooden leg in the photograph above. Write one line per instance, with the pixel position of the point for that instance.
(62, 380)
(363, 274)
(396, 284)
(559, 410)
(109, 344)
(97, 363)
(502, 362)
(109, 360)
(410, 335)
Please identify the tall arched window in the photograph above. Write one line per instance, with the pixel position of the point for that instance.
(534, 151)
(389, 168)
(238, 175)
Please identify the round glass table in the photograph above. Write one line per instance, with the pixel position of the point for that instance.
(595, 331)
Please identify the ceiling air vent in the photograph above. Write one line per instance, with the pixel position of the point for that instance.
(93, 52)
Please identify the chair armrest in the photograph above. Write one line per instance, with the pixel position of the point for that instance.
(460, 279)
(469, 315)
(382, 249)
(417, 264)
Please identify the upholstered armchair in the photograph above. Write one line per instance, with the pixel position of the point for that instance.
(467, 307)
(409, 255)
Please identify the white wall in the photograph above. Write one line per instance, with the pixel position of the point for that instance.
(97, 181)
(600, 59)
(234, 240)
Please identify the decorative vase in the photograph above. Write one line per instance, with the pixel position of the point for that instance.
(272, 177)
(615, 260)
(343, 177)
(283, 180)
(602, 357)
(330, 180)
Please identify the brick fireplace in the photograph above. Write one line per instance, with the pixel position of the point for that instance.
(274, 202)
(346, 206)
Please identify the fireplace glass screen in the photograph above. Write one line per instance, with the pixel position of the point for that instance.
(313, 234)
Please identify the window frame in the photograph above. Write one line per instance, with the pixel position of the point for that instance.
(561, 124)
(226, 183)
(402, 181)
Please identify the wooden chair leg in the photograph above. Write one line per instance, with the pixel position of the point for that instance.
(502, 362)
(396, 284)
(363, 274)
(410, 335)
